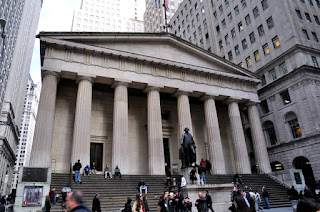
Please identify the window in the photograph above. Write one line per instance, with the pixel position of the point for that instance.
(220, 44)
(317, 19)
(257, 56)
(255, 12)
(230, 17)
(202, 10)
(244, 3)
(270, 132)
(205, 24)
(264, 106)
(233, 33)
(263, 80)
(308, 17)
(244, 44)
(224, 23)
(207, 36)
(273, 74)
(230, 55)
(191, 11)
(249, 62)
(285, 97)
(283, 68)
(315, 62)
(236, 49)
(199, 29)
(227, 39)
(215, 15)
(270, 23)
(318, 3)
(248, 19)
(196, 6)
(305, 33)
(226, 2)
(221, 9)
(310, 2)
(299, 14)
(260, 30)
(276, 42)
(264, 4)
(197, 17)
(302, 1)
(293, 125)
(252, 37)
(240, 64)
(315, 36)
(218, 29)
(236, 10)
(266, 49)
(240, 26)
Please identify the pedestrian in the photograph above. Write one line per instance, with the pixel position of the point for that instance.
(75, 203)
(96, 204)
(163, 202)
(172, 203)
(64, 193)
(127, 206)
(301, 195)
(258, 200)
(145, 202)
(201, 203)
(308, 205)
(249, 201)
(202, 163)
(76, 168)
(183, 181)
(208, 166)
(117, 172)
(142, 186)
(237, 179)
(138, 205)
(47, 204)
(202, 173)
(265, 195)
(107, 173)
(187, 205)
(53, 197)
(241, 205)
(209, 201)
(93, 168)
(193, 175)
(292, 193)
(86, 170)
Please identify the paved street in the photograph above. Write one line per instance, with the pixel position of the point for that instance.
(279, 210)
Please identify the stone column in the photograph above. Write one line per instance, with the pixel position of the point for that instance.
(184, 114)
(42, 140)
(258, 139)
(82, 122)
(214, 138)
(155, 139)
(239, 144)
(120, 127)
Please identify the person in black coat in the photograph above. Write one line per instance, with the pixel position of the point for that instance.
(292, 193)
(127, 206)
(96, 204)
(145, 202)
(201, 203)
(209, 201)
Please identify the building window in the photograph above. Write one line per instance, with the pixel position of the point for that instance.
(233, 33)
(310, 2)
(230, 55)
(263, 80)
(257, 56)
(236, 10)
(240, 26)
(226, 2)
(317, 19)
(264, 106)
(315, 62)
(223, 23)
(318, 3)
(249, 62)
(266, 49)
(240, 64)
(308, 17)
(252, 37)
(221, 9)
(248, 19)
(197, 17)
(236, 49)
(227, 39)
(264, 4)
(207, 36)
(230, 17)
(255, 12)
(302, 1)
(305, 33)
(285, 97)
(270, 132)
(315, 36)
(196, 6)
(273, 74)
(299, 14)
(293, 125)
(218, 29)
(270, 23)
(220, 44)
(244, 3)
(202, 10)
(276, 42)
(244, 44)
(260, 30)
(283, 68)
(205, 23)
(215, 15)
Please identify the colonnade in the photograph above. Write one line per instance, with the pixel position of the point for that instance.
(81, 134)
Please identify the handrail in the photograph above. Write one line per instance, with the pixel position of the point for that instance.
(272, 177)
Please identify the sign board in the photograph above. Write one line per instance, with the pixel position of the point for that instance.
(34, 174)
(32, 196)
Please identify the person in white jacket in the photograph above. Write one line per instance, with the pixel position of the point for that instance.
(258, 200)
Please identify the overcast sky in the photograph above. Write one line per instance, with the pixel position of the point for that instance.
(56, 15)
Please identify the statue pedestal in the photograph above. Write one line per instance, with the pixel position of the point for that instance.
(185, 172)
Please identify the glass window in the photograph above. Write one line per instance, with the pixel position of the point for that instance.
(221, 9)
(318, 3)
(227, 39)
(255, 12)
(273, 75)
(257, 56)
(244, 44)
(248, 19)
(264, 4)
(220, 44)
(261, 30)
(285, 97)
(270, 23)
(233, 33)
(199, 29)
(302, 1)
(308, 17)
(198, 17)
(315, 62)
(240, 26)
(264, 106)
(315, 36)
(310, 2)
(202, 10)
(317, 19)
(263, 80)
(283, 68)
(236, 10)
(305, 33)
(218, 29)
(266, 49)
(224, 23)
(196, 6)
(230, 17)
(226, 2)
(230, 55)
(249, 62)
(215, 15)
(299, 14)
(236, 49)
(252, 37)
(270, 132)
(276, 42)
(244, 3)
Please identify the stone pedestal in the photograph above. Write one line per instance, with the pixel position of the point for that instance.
(185, 172)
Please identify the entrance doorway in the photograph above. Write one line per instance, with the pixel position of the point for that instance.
(166, 153)
(96, 155)
(305, 165)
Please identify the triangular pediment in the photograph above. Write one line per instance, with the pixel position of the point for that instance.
(154, 47)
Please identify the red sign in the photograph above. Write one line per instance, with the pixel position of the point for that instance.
(25, 202)
(166, 5)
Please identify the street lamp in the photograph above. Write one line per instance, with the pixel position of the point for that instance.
(3, 25)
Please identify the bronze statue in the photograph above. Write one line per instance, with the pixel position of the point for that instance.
(187, 151)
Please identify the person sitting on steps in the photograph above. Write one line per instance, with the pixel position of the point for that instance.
(86, 170)
(107, 173)
(117, 172)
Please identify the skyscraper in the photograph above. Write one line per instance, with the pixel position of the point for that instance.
(16, 50)
(279, 41)
(28, 122)
(154, 17)
(109, 16)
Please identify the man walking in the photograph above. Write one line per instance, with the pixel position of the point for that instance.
(96, 204)
(75, 202)
(265, 195)
(201, 203)
(202, 172)
(209, 201)
(77, 167)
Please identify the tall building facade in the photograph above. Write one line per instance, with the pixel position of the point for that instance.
(154, 17)
(16, 50)
(279, 41)
(109, 16)
(28, 121)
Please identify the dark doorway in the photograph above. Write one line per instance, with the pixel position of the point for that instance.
(166, 152)
(305, 165)
(96, 155)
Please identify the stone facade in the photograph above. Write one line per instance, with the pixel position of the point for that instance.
(102, 89)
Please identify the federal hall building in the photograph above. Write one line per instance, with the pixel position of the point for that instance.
(124, 99)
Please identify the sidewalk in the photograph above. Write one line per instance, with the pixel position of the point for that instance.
(289, 209)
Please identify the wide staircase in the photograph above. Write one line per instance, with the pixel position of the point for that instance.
(278, 193)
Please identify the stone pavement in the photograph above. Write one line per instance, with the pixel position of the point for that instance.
(289, 209)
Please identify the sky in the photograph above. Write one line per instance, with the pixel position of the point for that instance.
(56, 15)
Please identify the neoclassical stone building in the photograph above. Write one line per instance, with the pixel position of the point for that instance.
(124, 99)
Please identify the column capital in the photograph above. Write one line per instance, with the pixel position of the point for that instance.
(182, 92)
(85, 78)
(117, 82)
(232, 100)
(151, 88)
(208, 96)
(251, 103)
(50, 73)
